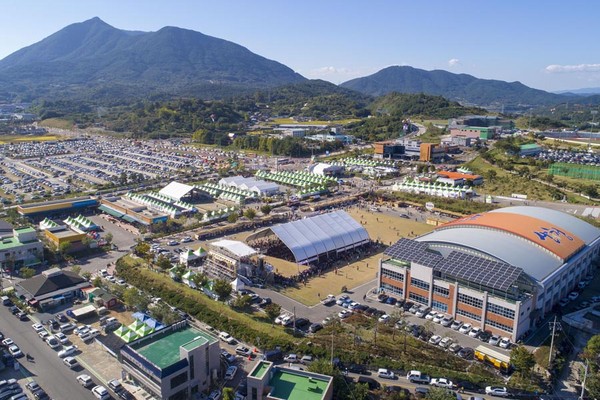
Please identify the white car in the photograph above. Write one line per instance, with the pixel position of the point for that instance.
(496, 391)
(494, 340)
(385, 373)
(121, 282)
(573, 296)
(456, 325)
(15, 351)
(465, 328)
(438, 318)
(435, 339)
(226, 337)
(52, 342)
(475, 332)
(442, 382)
(100, 392)
(38, 327)
(43, 334)
(445, 342)
(82, 329)
(62, 338)
(230, 373)
(7, 342)
(71, 362)
(504, 343)
(341, 300)
(431, 315)
(291, 358)
(111, 279)
(67, 351)
(446, 321)
(280, 318)
(384, 318)
(344, 314)
(85, 380)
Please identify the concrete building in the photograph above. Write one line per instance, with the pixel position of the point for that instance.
(173, 363)
(459, 178)
(502, 270)
(473, 132)
(22, 249)
(268, 382)
(531, 149)
(39, 211)
(228, 258)
(52, 288)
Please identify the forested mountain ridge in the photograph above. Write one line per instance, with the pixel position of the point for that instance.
(93, 55)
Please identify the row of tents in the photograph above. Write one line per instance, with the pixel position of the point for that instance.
(295, 178)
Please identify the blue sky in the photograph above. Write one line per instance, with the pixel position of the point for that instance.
(550, 45)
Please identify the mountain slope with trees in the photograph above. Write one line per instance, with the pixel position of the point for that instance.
(93, 55)
(459, 87)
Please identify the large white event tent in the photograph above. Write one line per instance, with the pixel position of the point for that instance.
(309, 238)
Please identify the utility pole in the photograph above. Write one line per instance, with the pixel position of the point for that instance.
(331, 360)
(552, 340)
(594, 112)
(584, 379)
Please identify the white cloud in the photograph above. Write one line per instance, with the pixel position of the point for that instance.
(453, 62)
(573, 68)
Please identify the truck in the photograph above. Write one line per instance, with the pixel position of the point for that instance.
(418, 377)
(493, 358)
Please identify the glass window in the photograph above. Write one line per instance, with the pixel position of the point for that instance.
(418, 298)
(419, 284)
(392, 289)
(439, 306)
(468, 314)
(499, 326)
(441, 291)
(469, 300)
(499, 310)
(397, 276)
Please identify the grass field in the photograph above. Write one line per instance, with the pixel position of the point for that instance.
(17, 139)
(387, 228)
(57, 123)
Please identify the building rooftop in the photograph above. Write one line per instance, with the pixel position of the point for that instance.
(260, 369)
(292, 385)
(163, 351)
(530, 146)
(25, 230)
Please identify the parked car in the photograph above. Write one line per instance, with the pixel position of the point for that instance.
(456, 325)
(494, 340)
(291, 358)
(485, 336)
(306, 359)
(115, 385)
(52, 342)
(435, 339)
(431, 315)
(573, 296)
(344, 314)
(438, 318)
(15, 351)
(38, 327)
(454, 348)
(445, 342)
(371, 383)
(467, 353)
(465, 328)
(70, 362)
(385, 373)
(504, 343)
(496, 391)
(214, 395)
(85, 380)
(315, 327)
(100, 392)
(243, 351)
(475, 332)
(67, 351)
(226, 337)
(442, 382)
(230, 373)
(447, 321)
(61, 337)
(357, 369)
(422, 312)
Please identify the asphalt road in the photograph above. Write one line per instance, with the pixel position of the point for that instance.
(46, 368)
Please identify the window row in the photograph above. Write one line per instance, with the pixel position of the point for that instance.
(499, 310)
(392, 289)
(468, 314)
(397, 276)
(442, 291)
(499, 326)
(418, 298)
(439, 306)
(419, 284)
(469, 300)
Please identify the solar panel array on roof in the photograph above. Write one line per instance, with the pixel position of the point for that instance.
(413, 251)
(493, 274)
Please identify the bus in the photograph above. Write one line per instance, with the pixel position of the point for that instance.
(494, 358)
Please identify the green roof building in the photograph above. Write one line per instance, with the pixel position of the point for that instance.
(175, 362)
(268, 382)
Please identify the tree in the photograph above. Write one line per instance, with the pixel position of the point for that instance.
(141, 249)
(63, 248)
(436, 393)
(76, 269)
(97, 282)
(200, 279)
(228, 393)
(27, 272)
(232, 218)
(86, 275)
(242, 302)
(250, 213)
(134, 300)
(163, 262)
(108, 238)
(522, 360)
(490, 175)
(222, 288)
(591, 351)
(86, 241)
(592, 385)
(273, 310)
(266, 209)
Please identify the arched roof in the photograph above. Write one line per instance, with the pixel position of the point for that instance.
(308, 238)
(531, 225)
